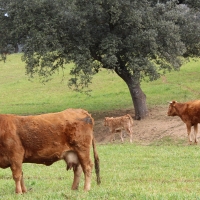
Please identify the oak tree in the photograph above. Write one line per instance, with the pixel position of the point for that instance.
(135, 39)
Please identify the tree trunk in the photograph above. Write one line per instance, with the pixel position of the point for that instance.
(137, 95)
(139, 101)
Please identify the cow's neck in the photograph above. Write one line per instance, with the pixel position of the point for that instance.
(180, 109)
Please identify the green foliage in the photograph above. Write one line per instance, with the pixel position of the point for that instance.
(139, 172)
(125, 36)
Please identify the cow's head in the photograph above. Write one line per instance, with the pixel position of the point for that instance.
(106, 121)
(172, 108)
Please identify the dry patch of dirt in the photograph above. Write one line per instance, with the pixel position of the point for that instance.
(157, 126)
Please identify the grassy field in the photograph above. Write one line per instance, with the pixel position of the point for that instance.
(128, 171)
(109, 92)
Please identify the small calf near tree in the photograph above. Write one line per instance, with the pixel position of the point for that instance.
(117, 124)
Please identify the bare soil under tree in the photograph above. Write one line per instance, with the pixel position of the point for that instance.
(156, 128)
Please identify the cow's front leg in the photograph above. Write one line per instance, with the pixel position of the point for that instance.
(24, 190)
(18, 178)
(189, 133)
(77, 175)
(131, 138)
(130, 134)
(195, 133)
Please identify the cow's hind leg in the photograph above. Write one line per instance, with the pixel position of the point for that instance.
(112, 136)
(87, 169)
(77, 175)
(121, 136)
(195, 133)
(72, 161)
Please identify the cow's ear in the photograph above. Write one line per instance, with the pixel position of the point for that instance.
(173, 103)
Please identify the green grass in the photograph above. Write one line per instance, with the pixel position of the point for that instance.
(109, 92)
(180, 85)
(127, 172)
(21, 96)
(163, 170)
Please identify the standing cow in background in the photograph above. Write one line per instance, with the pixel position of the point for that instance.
(189, 112)
(47, 138)
(117, 124)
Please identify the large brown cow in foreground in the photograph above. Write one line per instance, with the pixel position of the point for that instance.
(47, 138)
(116, 124)
(189, 112)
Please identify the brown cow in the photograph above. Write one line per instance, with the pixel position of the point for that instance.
(47, 138)
(116, 124)
(189, 112)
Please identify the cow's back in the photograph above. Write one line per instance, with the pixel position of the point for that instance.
(192, 111)
(193, 107)
(121, 122)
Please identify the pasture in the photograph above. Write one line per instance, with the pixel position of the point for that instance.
(20, 96)
(161, 170)
(127, 172)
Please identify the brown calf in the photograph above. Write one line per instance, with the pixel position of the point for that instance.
(116, 124)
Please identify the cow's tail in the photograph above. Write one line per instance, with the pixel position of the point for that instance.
(96, 162)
